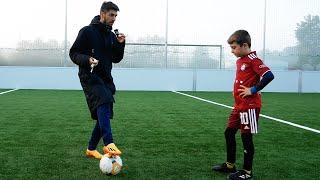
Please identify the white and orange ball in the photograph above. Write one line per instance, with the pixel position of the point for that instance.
(110, 165)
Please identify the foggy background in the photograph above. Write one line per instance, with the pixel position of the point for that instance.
(166, 33)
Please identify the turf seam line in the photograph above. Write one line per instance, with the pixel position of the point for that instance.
(265, 116)
(8, 91)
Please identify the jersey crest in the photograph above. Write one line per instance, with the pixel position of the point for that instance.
(243, 67)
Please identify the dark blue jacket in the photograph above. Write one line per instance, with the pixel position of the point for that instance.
(97, 41)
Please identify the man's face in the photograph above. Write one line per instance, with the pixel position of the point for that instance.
(237, 50)
(109, 17)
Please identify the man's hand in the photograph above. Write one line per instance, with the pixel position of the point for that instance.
(121, 38)
(245, 91)
(93, 62)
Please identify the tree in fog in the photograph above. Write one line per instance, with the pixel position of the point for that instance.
(307, 34)
(40, 44)
(38, 53)
(2, 59)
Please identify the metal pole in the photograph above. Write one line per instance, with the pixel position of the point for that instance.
(194, 81)
(300, 82)
(166, 43)
(264, 30)
(65, 35)
(220, 63)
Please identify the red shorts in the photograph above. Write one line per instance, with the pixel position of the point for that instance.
(246, 120)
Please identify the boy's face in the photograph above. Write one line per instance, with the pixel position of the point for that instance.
(239, 51)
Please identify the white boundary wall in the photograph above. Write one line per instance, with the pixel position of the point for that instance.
(153, 79)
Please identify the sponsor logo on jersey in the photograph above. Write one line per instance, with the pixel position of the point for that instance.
(262, 66)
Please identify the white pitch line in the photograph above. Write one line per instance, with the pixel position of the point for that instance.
(265, 116)
(8, 91)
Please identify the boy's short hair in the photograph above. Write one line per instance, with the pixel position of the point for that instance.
(106, 6)
(240, 37)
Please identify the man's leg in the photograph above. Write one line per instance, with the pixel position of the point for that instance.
(93, 142)
(104, 113)
(95, 137)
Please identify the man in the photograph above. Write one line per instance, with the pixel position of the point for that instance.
(94, 51)
(251, 77)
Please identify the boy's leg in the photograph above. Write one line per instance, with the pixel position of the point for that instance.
(248, 151)
(230, 136)
(230, 132)
(249, 126)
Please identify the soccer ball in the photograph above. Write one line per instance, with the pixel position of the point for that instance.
(110, 165)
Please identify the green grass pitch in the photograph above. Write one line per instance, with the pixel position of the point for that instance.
(163, 135)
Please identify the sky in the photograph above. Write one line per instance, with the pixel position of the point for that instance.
(189, 21)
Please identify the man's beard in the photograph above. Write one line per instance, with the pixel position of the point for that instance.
(104, 22)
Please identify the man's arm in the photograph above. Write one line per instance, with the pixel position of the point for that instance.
(118, 49)
(78, 48)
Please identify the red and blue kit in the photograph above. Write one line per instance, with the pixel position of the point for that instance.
(246, 110)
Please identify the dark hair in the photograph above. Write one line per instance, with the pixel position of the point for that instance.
(240, 37)
(106, 6)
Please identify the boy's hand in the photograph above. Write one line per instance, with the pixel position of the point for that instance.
(245, 91)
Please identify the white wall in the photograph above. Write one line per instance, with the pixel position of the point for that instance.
(39, 78)
(284, 81)
(214, 80)
(152, 79)
(310, 82)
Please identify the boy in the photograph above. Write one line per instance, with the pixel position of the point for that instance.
(251, 77)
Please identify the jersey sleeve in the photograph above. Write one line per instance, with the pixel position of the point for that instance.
(259, 67)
